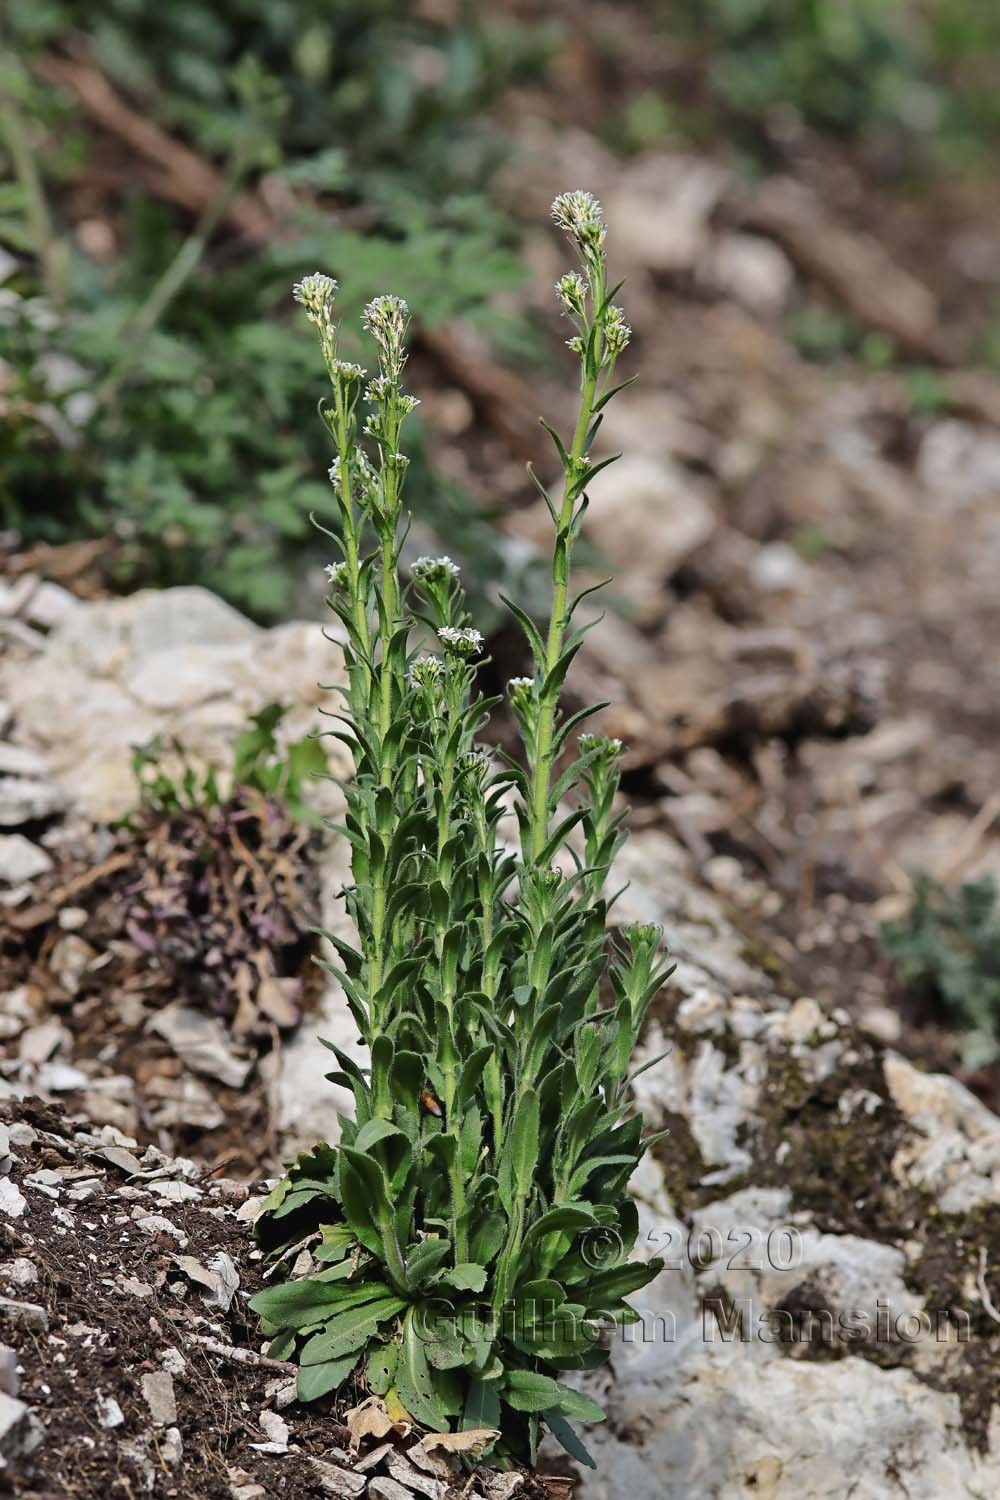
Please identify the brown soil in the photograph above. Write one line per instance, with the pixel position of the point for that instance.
(117, 1306)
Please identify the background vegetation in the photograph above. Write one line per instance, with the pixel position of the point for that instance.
(153, 391)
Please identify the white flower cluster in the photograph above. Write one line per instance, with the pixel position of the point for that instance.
(581, 216)
(386, 319)
(522, 693)
(336, 572)
(572, 289)
(464, 641)
(347, 371)
(602, 748)
(426, 671)
(316, 293)
(380, 387)
(616, 331)
(434, 569)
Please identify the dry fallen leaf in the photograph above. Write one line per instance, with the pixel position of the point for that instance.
(370, 1419)
(474, 1442)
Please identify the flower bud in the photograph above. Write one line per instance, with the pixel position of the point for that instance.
(461, 642)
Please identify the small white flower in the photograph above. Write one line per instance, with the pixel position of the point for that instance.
(600, 746)
(464, 642)
(580, 215)
(336, 572)
(347, 371)
(386, 319)
(425, 671)
(316, 293)
(377, 389)
(572, 289)
(616, 331)
(434, 569)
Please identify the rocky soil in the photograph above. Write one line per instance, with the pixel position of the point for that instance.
(802, 660)
(828, 1320)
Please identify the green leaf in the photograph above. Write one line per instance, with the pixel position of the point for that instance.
(380, 1370)
(296, 1304)
(566, 1216)
(415, 1382)
(318, 1380)
(620, 1281)
(526, 1142)
(578, 1406)
(525, 1390)
(350, 1330)
(482, 1406)
(564, 1434)
(424, 1259)
(465, 1277)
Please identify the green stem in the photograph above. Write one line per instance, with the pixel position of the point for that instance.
(542, 769)
(47, 246)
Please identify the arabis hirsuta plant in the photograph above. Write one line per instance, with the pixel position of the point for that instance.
(472, 1228)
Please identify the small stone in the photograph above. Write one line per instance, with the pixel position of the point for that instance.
(750, 269)
(59, 1078)
(175, 1192)
(777, 567)
(20, 1432)
(274, 1428)
(72, 918)
(21, 860)
(23, 800)
(109, 1413)
(24, 1314)
(69, 959)
(883, 1023)
(9, 1379)
(373, 1459)
(158, 1394)
(16, 1012)
(49, 605)
(412, 1480)
(157, 1224)
(39, 1043)
(203, 1043)
(388, 1489)
(171, 1447)
(17, 760)
(340, 1482)
(20, 1272)
(12, 1201)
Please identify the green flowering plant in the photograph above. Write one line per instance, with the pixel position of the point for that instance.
(471, 1231)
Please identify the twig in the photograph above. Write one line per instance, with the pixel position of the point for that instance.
(239, 1356)
(970, 840)
(225, 1162)
(983, 1289)
(187, 179)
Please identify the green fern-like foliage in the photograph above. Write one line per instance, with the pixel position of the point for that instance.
(948, 947)
(474, 1226)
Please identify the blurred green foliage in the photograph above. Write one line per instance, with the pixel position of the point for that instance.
(947, 948)
(160, 393)
(921, 78)
(169, 784)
